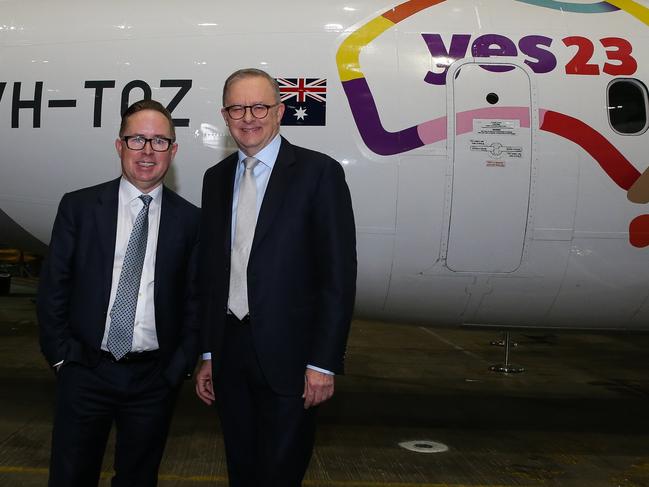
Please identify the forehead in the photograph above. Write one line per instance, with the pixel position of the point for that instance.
(250, 89)
(146, 121)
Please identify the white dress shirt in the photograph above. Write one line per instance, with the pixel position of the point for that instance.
(129, 205)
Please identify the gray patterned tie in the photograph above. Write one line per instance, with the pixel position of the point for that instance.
(122, 314)
(243, 233)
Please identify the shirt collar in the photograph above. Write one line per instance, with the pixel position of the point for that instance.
(268, 155)
(128, 193)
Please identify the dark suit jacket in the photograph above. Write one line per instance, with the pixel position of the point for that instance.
(76, 279)
(302, 267)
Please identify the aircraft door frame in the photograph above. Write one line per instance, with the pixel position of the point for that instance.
(456, 239)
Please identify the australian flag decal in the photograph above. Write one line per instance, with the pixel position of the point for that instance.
(305, 100)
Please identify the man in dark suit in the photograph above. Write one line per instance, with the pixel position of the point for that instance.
(278, 275)
(117, 309)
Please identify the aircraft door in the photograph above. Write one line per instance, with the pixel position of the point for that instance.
(491, 146)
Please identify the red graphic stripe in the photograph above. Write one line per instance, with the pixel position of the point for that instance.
(618, 168)
(639, 231)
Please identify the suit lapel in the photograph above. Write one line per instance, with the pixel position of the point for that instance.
(275, 192)
(106, 221)
(223, 194)
(227, 193)
(167, 237)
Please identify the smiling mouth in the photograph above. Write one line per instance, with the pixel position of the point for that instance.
(145, 163)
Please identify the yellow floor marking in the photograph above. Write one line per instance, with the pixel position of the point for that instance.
(315, 483)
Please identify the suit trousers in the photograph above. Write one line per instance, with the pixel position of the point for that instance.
(268, 437)
(133, 396)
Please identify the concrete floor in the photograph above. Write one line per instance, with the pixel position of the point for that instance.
(579, 416)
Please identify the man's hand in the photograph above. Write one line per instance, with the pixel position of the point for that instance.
(204, 386)
(318, 387)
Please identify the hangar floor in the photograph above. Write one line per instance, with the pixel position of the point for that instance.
(579, 416)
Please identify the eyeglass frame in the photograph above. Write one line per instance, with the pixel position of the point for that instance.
(267, 107)
(170, 141)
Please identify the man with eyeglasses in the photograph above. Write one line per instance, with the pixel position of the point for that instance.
(117, 310)
(278, 264)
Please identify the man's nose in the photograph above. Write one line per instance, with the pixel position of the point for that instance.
(247, 115)
(148, 147)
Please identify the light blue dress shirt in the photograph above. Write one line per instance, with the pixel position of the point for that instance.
(262, 171)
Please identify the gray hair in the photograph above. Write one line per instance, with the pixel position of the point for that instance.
(251, 73)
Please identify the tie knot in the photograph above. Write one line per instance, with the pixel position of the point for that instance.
(146, 199)
(250, 162)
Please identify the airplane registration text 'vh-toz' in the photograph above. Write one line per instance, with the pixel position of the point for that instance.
(495, 150)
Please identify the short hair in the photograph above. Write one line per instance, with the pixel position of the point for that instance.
(138, 106)
(251, 73)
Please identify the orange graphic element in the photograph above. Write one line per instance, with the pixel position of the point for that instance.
(639, 191)
(406, 9)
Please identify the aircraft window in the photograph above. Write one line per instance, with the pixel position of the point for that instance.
(627, 106)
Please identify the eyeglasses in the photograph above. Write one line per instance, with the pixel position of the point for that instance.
(258, 110)
(137, 142)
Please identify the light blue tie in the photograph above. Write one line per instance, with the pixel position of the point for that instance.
(122, 314)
